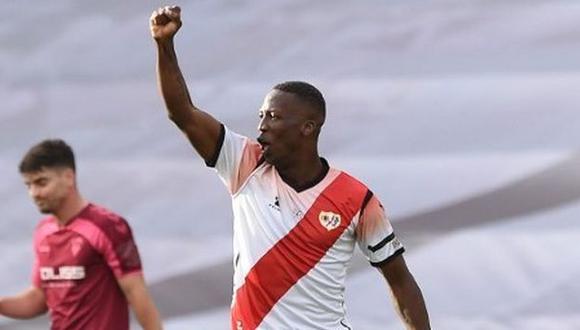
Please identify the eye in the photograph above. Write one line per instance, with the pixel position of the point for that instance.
(41, 182)
(260, 114)
(273, 116)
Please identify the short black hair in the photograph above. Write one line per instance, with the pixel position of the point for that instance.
(49, 153)
(305, 92)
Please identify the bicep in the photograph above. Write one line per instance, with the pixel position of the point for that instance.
(395, 271)
(131, 284)
(406, 293)
(203, 132)
(135, 290)
(37, 298)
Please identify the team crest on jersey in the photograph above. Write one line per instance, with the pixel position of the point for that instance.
(329, 220)
(75, 245)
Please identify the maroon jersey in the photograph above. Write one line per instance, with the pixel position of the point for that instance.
(77, 267)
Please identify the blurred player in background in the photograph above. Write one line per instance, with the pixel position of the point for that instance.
(296, 219)
(87, 269)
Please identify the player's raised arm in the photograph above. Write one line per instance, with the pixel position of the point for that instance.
(201, 129)
(28, 304)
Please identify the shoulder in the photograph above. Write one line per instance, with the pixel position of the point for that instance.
(108, 222)
(45, 222)
(351, 188)
(45, 227)
(352, 183)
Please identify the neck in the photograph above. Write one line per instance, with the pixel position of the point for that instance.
(302, 172)
(70, 208)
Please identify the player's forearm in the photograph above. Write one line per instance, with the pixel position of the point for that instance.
(147, 315)
(141, 302)
(171, 83)
(411, 305)
(23, 306)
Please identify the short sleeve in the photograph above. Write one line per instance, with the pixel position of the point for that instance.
(119, 249)
(375, 235)
(43, 229)
(238, 157)
(35, 275)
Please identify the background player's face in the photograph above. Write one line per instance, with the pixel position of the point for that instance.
(49, 187)
(281, 124)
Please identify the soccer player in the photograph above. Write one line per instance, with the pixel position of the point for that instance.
(86, 265)
(296, 218)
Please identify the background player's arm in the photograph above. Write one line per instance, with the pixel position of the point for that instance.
(406, 294)
(27, 304)
(135, 290)
(201, 129)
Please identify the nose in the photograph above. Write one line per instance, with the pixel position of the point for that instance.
(262, 125)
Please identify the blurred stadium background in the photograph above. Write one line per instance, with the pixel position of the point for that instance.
(461, 115)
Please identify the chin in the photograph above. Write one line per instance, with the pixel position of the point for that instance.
(45, 210)
(268, 158)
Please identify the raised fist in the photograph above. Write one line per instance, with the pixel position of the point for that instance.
(165, 22)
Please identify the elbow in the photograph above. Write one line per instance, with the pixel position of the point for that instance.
(177, 120)
(173, 118)
(41, 311)
(185, 122)
(38, 310)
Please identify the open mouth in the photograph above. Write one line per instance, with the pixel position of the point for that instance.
(263, 143)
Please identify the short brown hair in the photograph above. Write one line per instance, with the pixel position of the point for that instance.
(48, 153)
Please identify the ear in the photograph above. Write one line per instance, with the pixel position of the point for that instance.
(70, 176)
(309, 128)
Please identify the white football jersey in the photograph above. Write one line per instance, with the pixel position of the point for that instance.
(292, 248)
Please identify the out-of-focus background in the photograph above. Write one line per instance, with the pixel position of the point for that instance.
(462, 116)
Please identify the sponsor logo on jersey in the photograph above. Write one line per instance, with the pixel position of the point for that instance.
(329, 220)
(62, 273)
(239, 325)
(276, 204)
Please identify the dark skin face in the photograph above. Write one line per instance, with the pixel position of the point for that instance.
(288, 130)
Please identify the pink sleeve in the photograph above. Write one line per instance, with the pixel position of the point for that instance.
(43, 229)
(248, 162)
(237, 159)
(123, 257)
(35, 275)
(114, 240)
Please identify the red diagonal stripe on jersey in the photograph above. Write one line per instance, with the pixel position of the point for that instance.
(296, 253)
